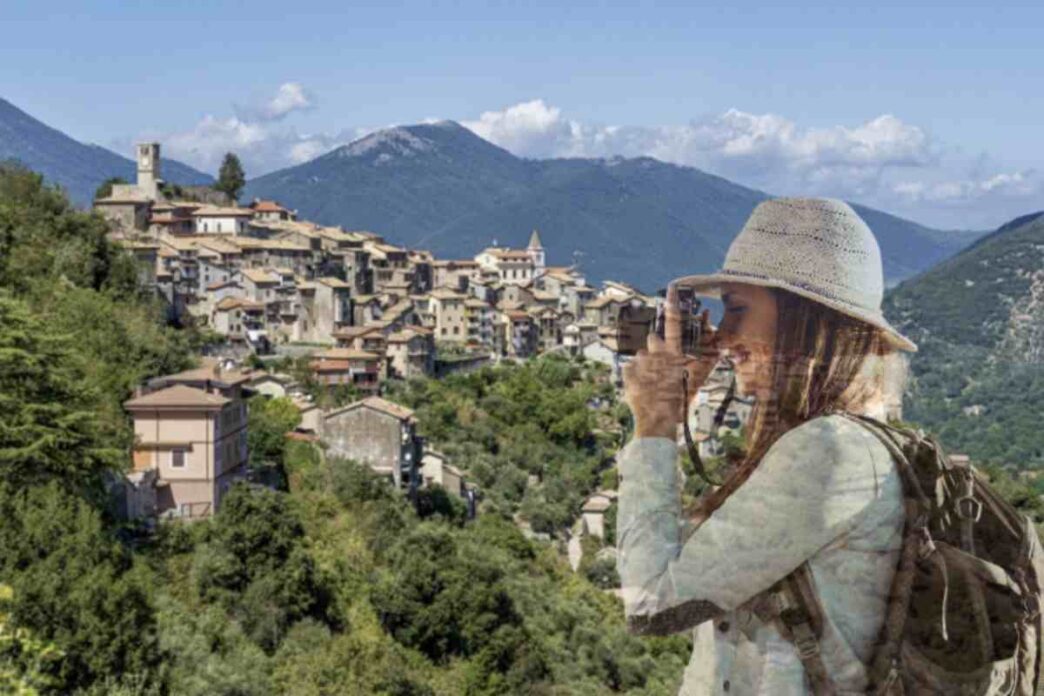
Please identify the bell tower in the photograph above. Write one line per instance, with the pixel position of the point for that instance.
(536, 252)
(149, 169)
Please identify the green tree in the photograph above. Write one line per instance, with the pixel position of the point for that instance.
(49, 431)
(231, 178)
(75, 586)
(257, 564)
(25, 661)
(104, 189)
(268, 423)
(44, 241)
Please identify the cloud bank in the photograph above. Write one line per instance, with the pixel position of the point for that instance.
(884, 161)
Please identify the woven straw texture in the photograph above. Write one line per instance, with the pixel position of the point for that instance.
(818, 248)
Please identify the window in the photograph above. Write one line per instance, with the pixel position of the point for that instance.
(177, 458)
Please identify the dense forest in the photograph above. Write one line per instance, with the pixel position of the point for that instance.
(330, 582)
(978, 378)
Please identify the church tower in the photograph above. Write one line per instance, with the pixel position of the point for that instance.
(149, 169)
(536, 252)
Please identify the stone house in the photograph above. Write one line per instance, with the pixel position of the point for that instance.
(411, 352)
(172, 218)
(378, 433)
(593, 512)
(325, 308)
(435, 469)
(519, 334)
(349, 366)
(548, 327)
(127, 212)
(481, 318)
(235, 317)
(271, 211)
(454, 274)
(605, 309)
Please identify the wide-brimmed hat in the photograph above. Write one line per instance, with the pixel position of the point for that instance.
(814, 247)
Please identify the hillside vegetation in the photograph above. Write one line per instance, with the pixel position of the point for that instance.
(979, 374)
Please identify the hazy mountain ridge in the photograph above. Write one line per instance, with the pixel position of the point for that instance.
(439, 186)
(77, 167)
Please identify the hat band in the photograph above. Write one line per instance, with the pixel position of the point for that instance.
(799, 284)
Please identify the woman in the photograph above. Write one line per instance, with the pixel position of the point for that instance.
(815, 493)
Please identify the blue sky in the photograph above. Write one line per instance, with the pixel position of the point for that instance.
(928, 110)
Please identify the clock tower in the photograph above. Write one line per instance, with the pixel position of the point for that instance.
(149, 169)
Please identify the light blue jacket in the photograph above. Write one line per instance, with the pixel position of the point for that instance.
(827, 492)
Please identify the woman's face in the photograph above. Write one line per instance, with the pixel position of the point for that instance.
(747, 336)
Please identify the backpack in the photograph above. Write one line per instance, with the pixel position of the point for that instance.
(963, 615)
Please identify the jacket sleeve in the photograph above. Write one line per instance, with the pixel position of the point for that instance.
(809, 490)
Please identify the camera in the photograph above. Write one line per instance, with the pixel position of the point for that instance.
(636, 321)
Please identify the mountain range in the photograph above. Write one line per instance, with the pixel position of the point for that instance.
(78, 167)
(439, 186)
(978, 319)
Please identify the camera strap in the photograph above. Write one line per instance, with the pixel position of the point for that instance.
(719, 418)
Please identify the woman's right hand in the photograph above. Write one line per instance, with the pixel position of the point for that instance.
(653, 378)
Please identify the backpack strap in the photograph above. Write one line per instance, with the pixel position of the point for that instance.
(917, 545)
(793, 606)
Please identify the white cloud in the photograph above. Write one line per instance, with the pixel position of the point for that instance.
(531, 129)
(761, 149)
(257, 134)
(1015, 184)
(290, 97)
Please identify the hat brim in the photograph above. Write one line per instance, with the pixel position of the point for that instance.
(710, 286)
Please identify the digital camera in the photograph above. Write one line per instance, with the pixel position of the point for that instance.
(636, 321)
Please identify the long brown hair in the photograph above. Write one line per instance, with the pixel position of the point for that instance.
(820, 362)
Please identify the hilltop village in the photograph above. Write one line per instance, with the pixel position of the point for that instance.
(363, 310)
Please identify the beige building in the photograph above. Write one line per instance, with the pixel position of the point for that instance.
(191, 432)
(447, 309)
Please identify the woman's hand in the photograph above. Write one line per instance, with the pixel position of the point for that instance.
(653, 378)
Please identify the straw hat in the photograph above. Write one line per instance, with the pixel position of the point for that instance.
(813, 247)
